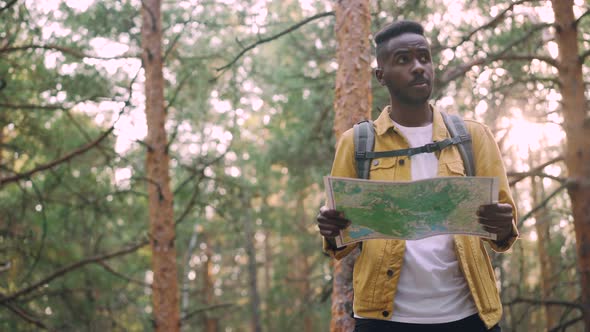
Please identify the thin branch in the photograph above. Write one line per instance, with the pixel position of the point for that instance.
(273, 37)
(8, 5)
(43, 230)
(542, 204)
(540, 174)
(461, 69)
(33, 107)
(584, 55)
(191, 203)
(62, 159)
(562, 326)
(492, 23)
(577, 21)
(545, 302)
(26, 316)
(211, 307)
(71, 267)
(172, 45)
(65, 50)
(122, 276)
(177, 91)
(534, 170)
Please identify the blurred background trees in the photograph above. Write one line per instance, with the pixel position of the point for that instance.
(249, 99)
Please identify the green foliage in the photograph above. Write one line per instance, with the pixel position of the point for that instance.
(248, 145)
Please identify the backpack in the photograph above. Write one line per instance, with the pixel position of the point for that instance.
(364, 141)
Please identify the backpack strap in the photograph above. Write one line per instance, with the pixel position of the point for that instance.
(427, 148)
(456, 127)
(364, 141)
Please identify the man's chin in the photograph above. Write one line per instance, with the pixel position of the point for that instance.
(415, 100)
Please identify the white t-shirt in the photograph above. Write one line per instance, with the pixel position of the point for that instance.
(431, 288)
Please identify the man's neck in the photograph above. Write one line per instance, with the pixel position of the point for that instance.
(411, 115)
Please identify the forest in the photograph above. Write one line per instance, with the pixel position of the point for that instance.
(162, 162)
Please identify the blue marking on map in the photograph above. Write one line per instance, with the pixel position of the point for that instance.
(360, 233)
(438, 228)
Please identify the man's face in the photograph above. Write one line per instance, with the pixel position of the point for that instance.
(405, 68)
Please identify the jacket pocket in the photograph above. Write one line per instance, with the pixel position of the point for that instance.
(479, 273)
(383, 168)
(454, 168)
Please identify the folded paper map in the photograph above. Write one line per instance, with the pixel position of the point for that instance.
(410, 210)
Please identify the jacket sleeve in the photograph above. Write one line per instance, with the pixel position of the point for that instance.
(344, 166)
(488, 162)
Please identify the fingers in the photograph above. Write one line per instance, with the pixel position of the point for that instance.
(496, 219)
(493, 209)
(329, 230)
(330, 222)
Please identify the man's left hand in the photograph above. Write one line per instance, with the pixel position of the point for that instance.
(496, 219)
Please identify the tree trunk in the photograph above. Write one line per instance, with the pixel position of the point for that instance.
(185, 286)
(252, 276)
(577, 127)
(542, 225)
(302, 271)
(210, 323)
(268, 261)
(162, 233)
(352, 103)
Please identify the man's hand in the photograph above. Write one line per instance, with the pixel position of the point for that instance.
(330, 222)
(497, 219)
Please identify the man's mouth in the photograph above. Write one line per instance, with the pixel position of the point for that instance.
(420, 83)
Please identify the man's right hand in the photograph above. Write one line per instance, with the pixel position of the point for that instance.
(330, 222)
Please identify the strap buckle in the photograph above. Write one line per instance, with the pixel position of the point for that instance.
(465, 137)
(431, 147)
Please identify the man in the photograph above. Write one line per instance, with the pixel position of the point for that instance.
(440, 283)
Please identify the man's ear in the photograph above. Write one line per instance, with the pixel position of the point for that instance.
(379, 75)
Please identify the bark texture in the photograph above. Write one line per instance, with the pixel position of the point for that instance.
(542, 225)
(577, 127)
(210, 322)
(165, 285)
(352, 103)
(252, 276)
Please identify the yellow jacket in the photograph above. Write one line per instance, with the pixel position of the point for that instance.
(377, 269)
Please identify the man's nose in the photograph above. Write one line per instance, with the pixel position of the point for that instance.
(418, 67)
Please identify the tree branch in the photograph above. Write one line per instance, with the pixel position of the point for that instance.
(26, 316)
(545, 302)
(577, 21)
(64, 270)
(540, 174)
(562, 326)
(522, 176)
(8, 5)
(121, 275)
(492, 23)
(63, 49)
(461, 69)
(273, 37)
(584, 55)
(33, 107)
(542, 204)
(211, 307)
(64, 158)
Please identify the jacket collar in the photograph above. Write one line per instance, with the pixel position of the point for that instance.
(439, 130)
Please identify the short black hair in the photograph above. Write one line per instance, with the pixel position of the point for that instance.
(395, 29)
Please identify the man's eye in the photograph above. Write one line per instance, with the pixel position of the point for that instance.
(402, 59)
(424, 58)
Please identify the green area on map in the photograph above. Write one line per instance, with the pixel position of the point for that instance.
(412, 210)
